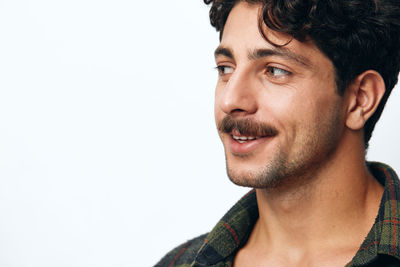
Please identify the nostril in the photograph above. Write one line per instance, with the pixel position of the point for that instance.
(238, 110)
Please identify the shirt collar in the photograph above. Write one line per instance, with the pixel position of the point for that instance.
(230, 233)
(383, 238)
(233, 230)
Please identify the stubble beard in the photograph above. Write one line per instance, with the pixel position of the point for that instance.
(301, 167)
(269, 176)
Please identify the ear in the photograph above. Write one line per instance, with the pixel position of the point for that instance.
(365, 94)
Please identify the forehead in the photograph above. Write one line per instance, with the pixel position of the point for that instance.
(242, 34)
(242, 20)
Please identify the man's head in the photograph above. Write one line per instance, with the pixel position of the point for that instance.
(356, 35)
(285, 69)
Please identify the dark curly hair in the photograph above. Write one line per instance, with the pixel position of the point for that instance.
(356, 35)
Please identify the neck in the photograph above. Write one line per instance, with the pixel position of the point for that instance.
(337, 206)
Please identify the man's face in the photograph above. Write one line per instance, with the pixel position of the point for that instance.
(277, 110)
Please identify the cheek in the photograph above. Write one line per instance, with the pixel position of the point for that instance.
(218, 94)
(218, 113)
(293, 114)
(278, 108)
(216, 103)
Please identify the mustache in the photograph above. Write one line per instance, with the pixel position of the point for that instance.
(246, 127)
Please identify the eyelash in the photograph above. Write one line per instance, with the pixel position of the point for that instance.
(221, 70)
(269, 71)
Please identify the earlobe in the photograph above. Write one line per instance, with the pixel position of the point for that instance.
(365, 94)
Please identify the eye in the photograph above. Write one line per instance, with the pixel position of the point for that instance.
(277, 72)
(224, 70)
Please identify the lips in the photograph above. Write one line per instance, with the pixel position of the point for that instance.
(242, 138)
(245, 135)
(240, 144)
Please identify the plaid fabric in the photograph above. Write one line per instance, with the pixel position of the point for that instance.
(218, 248)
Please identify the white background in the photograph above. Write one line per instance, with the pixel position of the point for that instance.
(108, 149)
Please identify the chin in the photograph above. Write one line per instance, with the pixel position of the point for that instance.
(267, 176)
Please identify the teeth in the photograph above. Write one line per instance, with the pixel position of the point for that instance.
(241, 139)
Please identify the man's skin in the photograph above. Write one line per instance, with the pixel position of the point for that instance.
(316, 199)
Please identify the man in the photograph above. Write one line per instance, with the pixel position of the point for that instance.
(301, 85)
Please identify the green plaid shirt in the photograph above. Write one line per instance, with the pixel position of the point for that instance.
(381, 247)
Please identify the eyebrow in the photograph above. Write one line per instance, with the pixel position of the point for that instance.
(265, 52)
(280, 52)
(223, 51)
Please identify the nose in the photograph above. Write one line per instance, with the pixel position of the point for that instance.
(238, 95)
